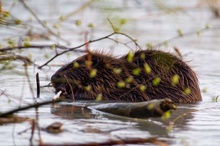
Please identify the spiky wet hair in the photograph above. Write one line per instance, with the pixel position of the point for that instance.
(143, 75)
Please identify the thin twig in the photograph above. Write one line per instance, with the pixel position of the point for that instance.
(33, 46)
(152, 140)
(74, 48)
(184, 35)
(42, 23)
(29, 81)
(28, 107)
(89, 42)
(84, 6)
(38, 85)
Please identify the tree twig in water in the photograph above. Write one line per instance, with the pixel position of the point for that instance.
(154, 108)
(152, 140)
(36, 105)
(38, 85)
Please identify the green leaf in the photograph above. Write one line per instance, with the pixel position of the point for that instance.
(17, 21)
(11, 42)
(180, 32)
(53, 46)
(93, 73)
(116, 29)
(175, 80)
(130, 56)
(62, 18)
(99, 97)
(147, 68)
(27, 44)
(142, 56)
(78, 22)
(156, 81)
(187, 91)
(150, 106)
(26, 41)
(123, 21)
(142, 87)
(166, 115)
(91, 25)
(136, 71)
(46, 56)
(88, 87)
(207, 26)
(56, 26)
(117, 70)
(121, 84)
(198, 32)
(6, 14)
(149, 45)
(129, 79)
(75, 64)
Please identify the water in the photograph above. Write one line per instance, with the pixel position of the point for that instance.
(149, 22)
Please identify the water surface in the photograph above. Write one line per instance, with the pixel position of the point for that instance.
(196, 124)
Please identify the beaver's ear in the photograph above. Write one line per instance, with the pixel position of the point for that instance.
(95, 61)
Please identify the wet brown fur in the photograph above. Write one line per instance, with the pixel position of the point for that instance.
(77, 83)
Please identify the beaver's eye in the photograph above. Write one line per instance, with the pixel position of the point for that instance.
(95, 62)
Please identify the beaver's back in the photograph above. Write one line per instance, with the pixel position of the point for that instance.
(169, 76)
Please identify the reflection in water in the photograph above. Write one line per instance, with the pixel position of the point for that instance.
(70, 111)
(91, 121)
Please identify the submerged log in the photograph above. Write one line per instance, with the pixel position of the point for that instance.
(154, 108)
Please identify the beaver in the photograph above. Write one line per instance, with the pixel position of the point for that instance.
(140, 76)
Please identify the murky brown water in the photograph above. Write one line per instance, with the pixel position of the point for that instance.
(149, 23)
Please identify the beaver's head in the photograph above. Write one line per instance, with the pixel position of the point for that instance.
(86, 76)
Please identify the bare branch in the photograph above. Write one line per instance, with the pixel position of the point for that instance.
(42, 23)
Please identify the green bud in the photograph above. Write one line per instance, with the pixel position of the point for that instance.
(150, 106)
(147, 68)
(207, 26)
(46, 56)
(99, 97)
(121, 84)
(149, 45)
(130, 56)
(142, 56)
(53, 46)
(17, 21)
(93, 73)
(166, 115)
(62, 18)
(91, 25)
(129, 79)
(56, 26)
(75, 64)
(187, 91)
(180, 32)
(175, 80)
(117, 70)
(88, 88)
(156, 81)
(123, 21)
(136, 71)
(142, 87)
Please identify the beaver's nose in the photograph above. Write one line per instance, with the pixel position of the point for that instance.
(53, 77)
(55, 81)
